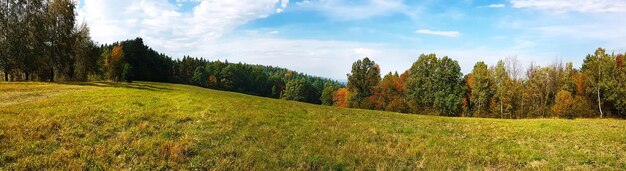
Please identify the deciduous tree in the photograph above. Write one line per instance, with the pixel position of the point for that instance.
(62, 15)
(114, 63)
(363, 82)
(481, 89)
(503, 90)
(599, 68)
(296, 90)
(327, 94)
(563, 105)
(341, 97)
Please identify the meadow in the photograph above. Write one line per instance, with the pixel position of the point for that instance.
(159, 126)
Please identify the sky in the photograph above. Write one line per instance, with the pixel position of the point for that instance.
(324, 37)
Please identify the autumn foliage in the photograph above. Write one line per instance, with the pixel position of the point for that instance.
(619, 61)
(340, 98)
(563, 104)
(114, 63)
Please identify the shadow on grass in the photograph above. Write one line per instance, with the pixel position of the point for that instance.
(139, 86)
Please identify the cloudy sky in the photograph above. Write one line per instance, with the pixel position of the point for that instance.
(324, 37)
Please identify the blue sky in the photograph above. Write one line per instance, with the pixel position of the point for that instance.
(323, 37)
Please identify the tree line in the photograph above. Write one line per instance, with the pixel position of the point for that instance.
(437, 86)
(40, 40)
(133, 60)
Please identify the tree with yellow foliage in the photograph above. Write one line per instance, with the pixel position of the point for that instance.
(563, 104)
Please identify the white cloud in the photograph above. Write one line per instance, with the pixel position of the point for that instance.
(439, 33)
(572, 5)
(274, 32)
(303, 2)
(165, 28)
(496, 6)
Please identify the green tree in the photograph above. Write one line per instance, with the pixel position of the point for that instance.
(127, 73)
(16, 51)
(420, 84)
(327, 94)
(200, 76)
(362, 82)
(35, 37)
(436, 84)
(447, 90)
(619, 95)
(481, 90)
(296, 90)
(85, 58)
(5, 64)
(537, 91)
(600, 69)
(62, 17)
(503, 90)
(86, 54)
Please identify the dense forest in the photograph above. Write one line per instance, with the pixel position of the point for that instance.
(40, 40)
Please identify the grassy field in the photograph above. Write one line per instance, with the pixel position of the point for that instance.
(168, 126)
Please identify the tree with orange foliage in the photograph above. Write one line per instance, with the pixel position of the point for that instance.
(392, 92)
(114, 63)
(619, 61)
(340, 97)
(579, 82)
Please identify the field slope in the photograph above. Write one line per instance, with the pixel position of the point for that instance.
(168, 126)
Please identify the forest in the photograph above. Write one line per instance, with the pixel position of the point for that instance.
(42, 41)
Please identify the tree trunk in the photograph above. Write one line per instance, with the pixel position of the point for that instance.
(6, 76)
(479, 109)
(52, 74)
(522, 106)
(598, 89)
(501, 109)
(599, 103)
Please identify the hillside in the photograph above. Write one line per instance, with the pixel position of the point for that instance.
(148, 125)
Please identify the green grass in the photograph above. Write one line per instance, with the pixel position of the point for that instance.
(169, 126)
